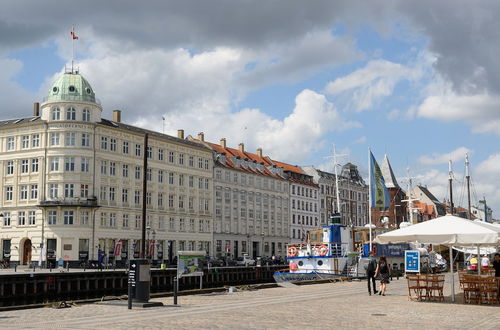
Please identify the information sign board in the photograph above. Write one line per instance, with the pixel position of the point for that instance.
(412, 261)
(189, 263)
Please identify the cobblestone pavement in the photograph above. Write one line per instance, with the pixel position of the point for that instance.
(343, 305)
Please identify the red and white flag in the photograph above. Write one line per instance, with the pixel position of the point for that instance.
(118, 248)
(73, 34)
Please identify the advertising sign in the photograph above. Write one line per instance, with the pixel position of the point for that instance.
(118, 249)
(189, 263)
(412, 261)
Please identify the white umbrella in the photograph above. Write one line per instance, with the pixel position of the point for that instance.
(447, 230)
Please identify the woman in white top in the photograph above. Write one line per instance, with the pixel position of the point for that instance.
(485, 262)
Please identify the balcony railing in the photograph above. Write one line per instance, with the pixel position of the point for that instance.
(82, 202)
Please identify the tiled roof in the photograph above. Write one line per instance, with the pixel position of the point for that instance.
(231, 152)
(297, 170)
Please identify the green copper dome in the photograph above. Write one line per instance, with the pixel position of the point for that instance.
(71, 87)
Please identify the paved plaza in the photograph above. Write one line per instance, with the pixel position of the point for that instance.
(342, 305)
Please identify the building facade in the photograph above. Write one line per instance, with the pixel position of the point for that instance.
(73, 184)
(304, 202)
(251, 202)
(353, 193)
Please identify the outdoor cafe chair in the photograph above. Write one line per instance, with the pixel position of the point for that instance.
(414, 288)
(488, 290)
(435, 285)
(471, 289)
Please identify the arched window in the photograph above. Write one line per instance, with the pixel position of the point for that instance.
(86, 115)
(71, 114)
(56, 114)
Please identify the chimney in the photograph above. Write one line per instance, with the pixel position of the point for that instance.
(180, 133)
(201, 136)
(117, 116)
(223, 143)
(241, 146)
(259, 152)
(36, 109)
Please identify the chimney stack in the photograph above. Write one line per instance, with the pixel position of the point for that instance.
(259, 152)
(201, 136)
(241, 146)
(223, 143)
(36, 109)
(180, 133)
(117, 116)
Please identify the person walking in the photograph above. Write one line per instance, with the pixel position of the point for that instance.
(370, 273)
(384, 270)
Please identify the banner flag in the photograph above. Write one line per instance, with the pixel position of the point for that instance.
(379, 192)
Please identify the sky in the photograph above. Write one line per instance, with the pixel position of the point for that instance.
(418, 81)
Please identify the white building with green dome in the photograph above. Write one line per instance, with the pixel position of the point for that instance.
(72, 183)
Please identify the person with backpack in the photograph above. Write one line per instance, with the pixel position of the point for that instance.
(370, 273)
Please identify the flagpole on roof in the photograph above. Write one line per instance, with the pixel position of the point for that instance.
(370, 196)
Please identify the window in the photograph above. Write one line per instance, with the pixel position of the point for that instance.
(86, 115)
(10, 167)
(181, 202)
(206, 164)
(161, 223)
(69, 139)
(84, 190)
(56, 114)
(112, 144)
(149, 152)
(112, 219)
(21, 218)
(160, 176)
(125, 221)
(34, 165)
(84, 218)
(137, 221)
(9, 193)
(191, 225)
(34, 191)
(200, 162)
(170, 200)
(181, 180)
(25, 166)
(104, 219)
(68, 217)
(7, 219)
(52, 217)
(84, 165)
(112, 168)
(137, 197)
(125, 171)
(171, 157)
(54, 164)
(31, 218)
(170, 178)
(191, 161)
(200, 183)
(138, 172)
(111, 194)
(171, 224)
(35, 140)
(160, 154)
(181, 224)
(104, 143)
(69, 164)
(53, 190)
(124, 195)
(181, 159)
(54, 139)
(191, 181)
(23, 192)
(125, 147)
(69, 190)
(206, 183)
(160, 199)
(149, 174)
(104, 166)
(11, 143)
(25, 142)
(70, 114)
(138, 150)
(85, 140)
(148, 198)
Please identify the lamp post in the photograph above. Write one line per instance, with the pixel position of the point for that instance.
(153, 235)
(262, 254)
(148, 229)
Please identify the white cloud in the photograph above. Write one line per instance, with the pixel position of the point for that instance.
(437, 159)
(373, 82)
(360, 140)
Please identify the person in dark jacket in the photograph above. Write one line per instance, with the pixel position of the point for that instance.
(384, 270)
(370, 273)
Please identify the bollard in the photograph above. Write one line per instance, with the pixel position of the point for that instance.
(15, 268)
(176, 284)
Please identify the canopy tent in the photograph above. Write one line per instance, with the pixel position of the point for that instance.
(447, 230)
(473, 250)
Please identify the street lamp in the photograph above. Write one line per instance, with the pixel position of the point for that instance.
(262, 234)
(148, 229)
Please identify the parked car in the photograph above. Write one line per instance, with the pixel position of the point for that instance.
(246, 260)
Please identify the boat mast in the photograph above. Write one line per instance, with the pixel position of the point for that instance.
(450, 172)
(467, 176)
(410, 200)
(370, 197)
(336, 179)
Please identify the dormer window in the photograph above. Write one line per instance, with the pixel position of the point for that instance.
(55, 90)
(56, 114)
(70, 114)
(86, 115)
(71, 89)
